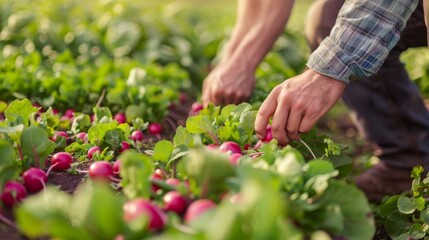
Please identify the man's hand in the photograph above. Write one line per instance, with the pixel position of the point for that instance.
(296, 105)
(231, 82)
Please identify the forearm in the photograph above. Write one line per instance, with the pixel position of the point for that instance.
(361, 39)
(259, 23)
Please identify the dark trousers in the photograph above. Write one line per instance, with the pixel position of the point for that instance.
(388, 106)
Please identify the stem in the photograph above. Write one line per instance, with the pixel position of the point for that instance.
(21, 155)
(170, 122)
(204, 188)
(258, 144)
(175, 116)
(309, 149)
(114, 179)
(7, 221)
(50, 169)
(256, 154)
(36, 156)
(174, 169)
(214, 138)
(103, 93)
(81, 171)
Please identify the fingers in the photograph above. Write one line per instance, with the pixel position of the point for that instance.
(266, 110)
(293, 124)
(220, 96)
(280, 118)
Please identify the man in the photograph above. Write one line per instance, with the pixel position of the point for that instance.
(356, 56)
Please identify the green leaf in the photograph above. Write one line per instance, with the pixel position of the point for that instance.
(199, 124)
(419, 203)
(113, 139)
(101, 112)
(417, 231)
(47, 214)
(81, 123)
(125, 128)
(209, 171)
(358, 219)
(36, 144)
(406, 205)
(318, 167)
(98, 210)
(136, 170)
(7, 153)
(239, 111)
(389, 206)
(290, 166)
(20, 112)
(163, 150)
(96, 132)
(397, 224)
(424, 216)
(183, 137)
(3, 106)
(178, 152)
(8, 169)
(226, 111)
(133, 112)
(417, 171)
(329, 218)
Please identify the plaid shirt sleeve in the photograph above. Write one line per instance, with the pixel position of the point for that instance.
(363, 35)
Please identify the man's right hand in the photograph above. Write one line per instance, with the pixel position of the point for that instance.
(230, 82)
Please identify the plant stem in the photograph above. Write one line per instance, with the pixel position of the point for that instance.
(103, 93)
(309, 149)
(213, 136)
(7, 221)
(21, 155)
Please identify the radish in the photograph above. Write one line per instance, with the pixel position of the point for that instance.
(35, 179)
(60, 133)
(83, 136)
(69, 113)
(137, 136)
(173, 182)
(155, 128)
(195, 109)
(157, 175)
(230, 147)
(13, 193)
(197, 208)
(268, 135)
(101, 170)
(92, 151)
(120, 118)
(60, 161)
(141, 207)
(183, 97)
(117, 167)
(212, 146)
(124, 146)
(174, 202)
(233, 158)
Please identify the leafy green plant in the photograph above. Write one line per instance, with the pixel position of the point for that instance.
(406, 216)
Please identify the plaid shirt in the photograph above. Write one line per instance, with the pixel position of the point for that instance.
(361, 39)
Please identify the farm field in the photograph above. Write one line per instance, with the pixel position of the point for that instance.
(102, 134)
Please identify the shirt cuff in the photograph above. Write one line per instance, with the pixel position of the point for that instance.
(329, 60)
